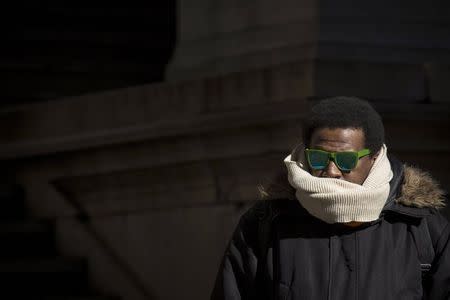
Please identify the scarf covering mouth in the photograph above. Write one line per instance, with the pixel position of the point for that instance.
(338, 201)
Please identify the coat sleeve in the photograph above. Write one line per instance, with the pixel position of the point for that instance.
(439, 287)
(236, 276)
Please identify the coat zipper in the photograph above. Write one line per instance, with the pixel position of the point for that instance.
(330, 272)
(356, 265)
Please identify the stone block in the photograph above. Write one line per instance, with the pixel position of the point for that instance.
(156, 248)
(108, 273)
(245, 141)
(438, 76)
(287, 134)
(290, 81)
(191, 97)
(180, 185)
(418, 135)
(402, 10)
(239, 179)
(236, 90)
(395, 82)
(222, 37)
(391, 33)
(222, 17)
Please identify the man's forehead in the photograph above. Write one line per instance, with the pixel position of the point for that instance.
(339, 137)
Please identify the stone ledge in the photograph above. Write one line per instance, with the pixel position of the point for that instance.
(176, 127)
(207, 124)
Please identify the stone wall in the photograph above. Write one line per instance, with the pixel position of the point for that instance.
(149, 182)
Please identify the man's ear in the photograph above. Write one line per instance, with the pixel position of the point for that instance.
(373, 158)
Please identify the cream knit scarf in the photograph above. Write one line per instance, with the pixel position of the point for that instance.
(338, 201)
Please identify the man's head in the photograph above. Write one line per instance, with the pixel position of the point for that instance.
(344, 124)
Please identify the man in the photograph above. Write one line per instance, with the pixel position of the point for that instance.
(346, 221)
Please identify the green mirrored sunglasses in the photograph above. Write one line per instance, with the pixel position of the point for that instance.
(345, 161)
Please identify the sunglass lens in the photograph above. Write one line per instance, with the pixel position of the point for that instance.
(318, 160)
(346, 161)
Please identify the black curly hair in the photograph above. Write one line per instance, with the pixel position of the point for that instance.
(346, 112)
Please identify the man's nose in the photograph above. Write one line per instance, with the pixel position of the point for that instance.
(332, 171)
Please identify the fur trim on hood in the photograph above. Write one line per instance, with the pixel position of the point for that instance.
(418, 189)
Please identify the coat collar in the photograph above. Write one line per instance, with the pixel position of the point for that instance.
(413, 192)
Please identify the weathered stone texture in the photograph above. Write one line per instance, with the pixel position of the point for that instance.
(181, 247)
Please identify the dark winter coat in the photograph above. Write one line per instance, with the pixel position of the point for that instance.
(310, 259)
